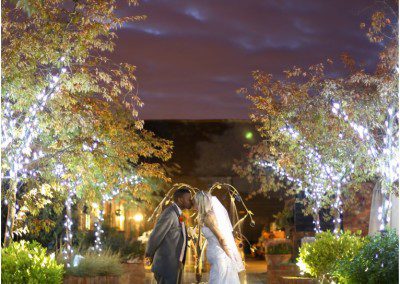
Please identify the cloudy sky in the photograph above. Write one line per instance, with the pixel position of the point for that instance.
(192, 56)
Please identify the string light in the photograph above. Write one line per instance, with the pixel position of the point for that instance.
(61, 172)
(18, 133)
(385, 154)
(318, 179)
(106, 197)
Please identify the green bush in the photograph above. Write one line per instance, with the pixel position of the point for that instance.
(28, 263)
(283, 248)
(320, 258)
(106, 263)
(376, 262)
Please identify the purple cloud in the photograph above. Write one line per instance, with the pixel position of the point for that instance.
(192, 56)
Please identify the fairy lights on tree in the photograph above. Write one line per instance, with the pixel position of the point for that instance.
(19, 143)
(309, 173)
(124, 184)
(68, 250)
(348, 125)
(67, 103)
(383, 152)
(70, 183)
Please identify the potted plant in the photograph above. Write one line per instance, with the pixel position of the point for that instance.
(284, 219)
(278, 253)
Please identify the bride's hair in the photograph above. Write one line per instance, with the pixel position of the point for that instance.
(204, 204)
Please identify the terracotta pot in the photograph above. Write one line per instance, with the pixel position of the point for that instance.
(277, 259)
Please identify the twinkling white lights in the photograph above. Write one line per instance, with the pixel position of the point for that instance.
(61, 172)
(383, 150)
(68, 250)
(313, 196)
(98, 231)
(19, 131)
(318, 179)
(106, 197)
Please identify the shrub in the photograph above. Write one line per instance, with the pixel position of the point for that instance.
(376, 262)
(95, 264)
(283, 248)
(320, 258)
(28, 262)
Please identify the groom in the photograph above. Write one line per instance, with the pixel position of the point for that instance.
(166, 247)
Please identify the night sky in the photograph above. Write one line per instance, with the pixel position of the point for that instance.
(192, 56)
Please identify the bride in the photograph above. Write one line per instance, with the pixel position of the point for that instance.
(222, 253)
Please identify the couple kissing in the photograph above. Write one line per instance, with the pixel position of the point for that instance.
(167, 245)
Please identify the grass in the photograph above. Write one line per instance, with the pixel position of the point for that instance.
(93, 264)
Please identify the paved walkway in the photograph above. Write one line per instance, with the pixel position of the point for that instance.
(255, 274)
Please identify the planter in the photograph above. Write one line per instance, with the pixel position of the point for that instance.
(279, 234)
(277, 259)
(91, 280)
(134, 273)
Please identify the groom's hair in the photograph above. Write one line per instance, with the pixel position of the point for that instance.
(180, 192)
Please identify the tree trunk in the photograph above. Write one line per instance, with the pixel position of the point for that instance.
(337, 207)
(68, 228)
(11, 209)
(317, 222)
(338, 221)
(68, 233)
(385, 206)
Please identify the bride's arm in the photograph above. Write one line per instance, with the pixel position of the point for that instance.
(212, 224)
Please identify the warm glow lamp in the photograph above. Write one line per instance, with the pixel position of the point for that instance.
(138, 217)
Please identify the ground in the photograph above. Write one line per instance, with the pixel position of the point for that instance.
(256, 273)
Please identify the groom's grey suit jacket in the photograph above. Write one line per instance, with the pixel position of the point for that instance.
(165, 244)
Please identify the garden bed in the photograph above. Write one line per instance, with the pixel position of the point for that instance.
(133, 273)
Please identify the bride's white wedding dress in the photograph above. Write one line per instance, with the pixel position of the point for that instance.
(224, 270)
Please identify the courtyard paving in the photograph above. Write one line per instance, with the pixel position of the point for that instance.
(256, 273)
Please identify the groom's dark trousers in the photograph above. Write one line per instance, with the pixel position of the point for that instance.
(162, 280)
(165, 246)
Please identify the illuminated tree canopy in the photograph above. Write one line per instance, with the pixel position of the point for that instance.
(69, 114)
(325, 135)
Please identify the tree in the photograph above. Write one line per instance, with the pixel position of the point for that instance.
(66, 105)
(329, 134)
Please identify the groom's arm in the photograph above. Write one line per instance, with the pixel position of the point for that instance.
(161, 228)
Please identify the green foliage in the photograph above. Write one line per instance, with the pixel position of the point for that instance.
(283, 248)
(88, 122)
(314, 126)
(28, 263)
(47, 231)
(284, 218)
(376, 262)
(106, 263)
(320, 258)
